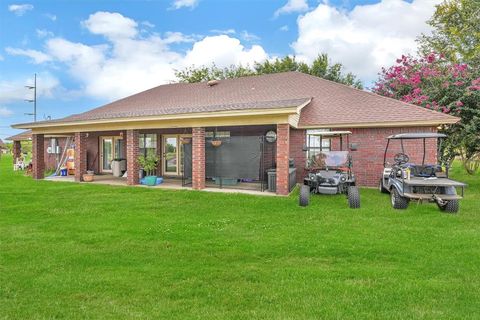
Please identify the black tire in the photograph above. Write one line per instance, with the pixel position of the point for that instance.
(304, 198)
(353, 197)
(381, 188)
(451, 206)
(398, 202)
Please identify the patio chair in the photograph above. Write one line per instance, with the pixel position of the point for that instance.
(19, 164)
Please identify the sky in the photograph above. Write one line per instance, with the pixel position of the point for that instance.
(88, 53)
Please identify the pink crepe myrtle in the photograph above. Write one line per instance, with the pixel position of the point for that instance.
(430, 81)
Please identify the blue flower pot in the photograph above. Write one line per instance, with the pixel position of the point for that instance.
(150, 180)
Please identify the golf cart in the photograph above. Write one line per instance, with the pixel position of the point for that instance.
(407, 181)
(330, 172)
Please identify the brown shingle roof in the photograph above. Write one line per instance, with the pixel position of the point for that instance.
(22, 136)
(332, 103)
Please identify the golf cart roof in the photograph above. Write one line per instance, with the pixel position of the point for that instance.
(330, 133)
(417, 135)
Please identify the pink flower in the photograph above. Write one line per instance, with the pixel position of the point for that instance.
(459, 103)
(431, 58)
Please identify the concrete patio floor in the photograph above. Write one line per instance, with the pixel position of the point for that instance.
(169, 183)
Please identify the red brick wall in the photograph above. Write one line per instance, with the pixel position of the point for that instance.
(297, 141)
(198, 158)
(38, 162)
(283, 154)
(132, 157)
(93, 148)
(368, 159)
(80, 155)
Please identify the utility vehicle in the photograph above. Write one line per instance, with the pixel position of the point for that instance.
(330, 172)
(410, 181)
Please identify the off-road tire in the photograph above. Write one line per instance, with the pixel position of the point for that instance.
(304, 197)
(353, 197)
(398, 202)
(451, 206)
(381, 188)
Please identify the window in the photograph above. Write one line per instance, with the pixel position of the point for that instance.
(148, 142)
(313, 144)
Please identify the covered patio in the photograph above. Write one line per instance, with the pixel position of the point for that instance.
(219, 158)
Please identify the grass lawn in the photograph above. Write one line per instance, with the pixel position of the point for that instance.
(89, 251)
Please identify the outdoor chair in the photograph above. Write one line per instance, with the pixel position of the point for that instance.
(19, 164)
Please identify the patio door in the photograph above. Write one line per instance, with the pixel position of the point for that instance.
(172, 164)
(110, 148)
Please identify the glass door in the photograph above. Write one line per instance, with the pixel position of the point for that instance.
(106, 154)
(170, 155)
(110, 148)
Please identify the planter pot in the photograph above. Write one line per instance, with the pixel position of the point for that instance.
(216, 143)
(88, 177)
(150, 180)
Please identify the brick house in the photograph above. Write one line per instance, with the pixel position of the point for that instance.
(179, 122)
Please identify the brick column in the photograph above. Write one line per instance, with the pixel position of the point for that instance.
(298, 138)
(132, 157)
(38, 160)
(283, 153)
(80, 155)
(16, 150)
(159, 154)
(198, 158)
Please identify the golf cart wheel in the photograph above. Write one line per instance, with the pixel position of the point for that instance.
(304, 196)
(381, 188)
(353, 197)
(451, 206)
(398, 202)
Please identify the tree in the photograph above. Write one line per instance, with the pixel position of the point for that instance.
(320, 67)
(435, 83)
(456, 31)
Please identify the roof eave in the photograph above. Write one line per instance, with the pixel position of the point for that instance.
(198, 115)
(421, 123)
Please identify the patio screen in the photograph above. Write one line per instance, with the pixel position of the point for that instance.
(239, 162)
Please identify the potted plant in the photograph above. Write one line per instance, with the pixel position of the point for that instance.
(149, 165)
(88, 177)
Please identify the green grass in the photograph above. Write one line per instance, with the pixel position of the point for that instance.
(89, 251)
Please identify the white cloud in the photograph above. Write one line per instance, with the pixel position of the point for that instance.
(42, 33)
(126, 63)
(225, 31)
(36, 56)
(1, 58)
(284, 28)
(112, 25)
(292, 6)
(20, 9)
(365, 38)
(5, 112)
(177, 37)
(14, 89)
(247, 36)
(224, 51)
(148, 24)
(51, 16)
(178, 4)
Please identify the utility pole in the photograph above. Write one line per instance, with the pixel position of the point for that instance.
(34, 100)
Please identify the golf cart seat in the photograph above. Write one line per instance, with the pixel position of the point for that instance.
(423, 171)
(329, 159)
